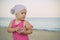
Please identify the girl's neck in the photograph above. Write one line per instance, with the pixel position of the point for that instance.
(19, 20)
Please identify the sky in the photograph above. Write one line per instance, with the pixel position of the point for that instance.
(35, 8)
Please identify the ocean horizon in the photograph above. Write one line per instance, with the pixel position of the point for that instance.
(51, 24)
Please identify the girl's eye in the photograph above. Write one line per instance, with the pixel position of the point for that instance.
(23, 13)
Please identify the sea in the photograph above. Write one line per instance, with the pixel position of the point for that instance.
(50, 24)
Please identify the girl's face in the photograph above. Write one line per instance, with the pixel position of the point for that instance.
(21, 15)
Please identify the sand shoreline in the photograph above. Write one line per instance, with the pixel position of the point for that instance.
(36, 35)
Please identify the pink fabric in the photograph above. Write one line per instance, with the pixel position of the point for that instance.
(17, 36)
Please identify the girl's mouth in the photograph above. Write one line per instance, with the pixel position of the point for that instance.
(23, 17)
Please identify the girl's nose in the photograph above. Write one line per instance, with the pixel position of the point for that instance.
(24, 14)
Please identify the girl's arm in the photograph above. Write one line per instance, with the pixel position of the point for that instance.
(28, 27)
(10, 29)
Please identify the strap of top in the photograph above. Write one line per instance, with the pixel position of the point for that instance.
(20, 24)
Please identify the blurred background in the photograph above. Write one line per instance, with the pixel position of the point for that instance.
(44, 15)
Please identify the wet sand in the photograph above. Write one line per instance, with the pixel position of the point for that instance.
(36, 35)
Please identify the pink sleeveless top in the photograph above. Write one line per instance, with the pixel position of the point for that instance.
(17, 36)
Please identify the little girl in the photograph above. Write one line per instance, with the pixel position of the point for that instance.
(19, 27)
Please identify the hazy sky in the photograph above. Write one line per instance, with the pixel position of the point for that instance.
(35, 8)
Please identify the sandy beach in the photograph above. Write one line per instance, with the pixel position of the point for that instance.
(36, 35)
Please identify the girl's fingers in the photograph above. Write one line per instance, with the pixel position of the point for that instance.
(20, 30)
(17, 28)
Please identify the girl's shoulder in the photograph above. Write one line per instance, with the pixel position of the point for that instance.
(26, 21)
(27, 24)
(12, 20)
(10, 23)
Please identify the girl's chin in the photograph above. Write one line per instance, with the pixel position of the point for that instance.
(22, 19)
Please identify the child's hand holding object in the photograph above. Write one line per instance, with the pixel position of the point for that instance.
(20, 30)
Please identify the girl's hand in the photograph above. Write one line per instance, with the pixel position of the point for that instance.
(21, 31)
(17, 28)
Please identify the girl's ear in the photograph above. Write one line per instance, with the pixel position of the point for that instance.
(16, 14)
